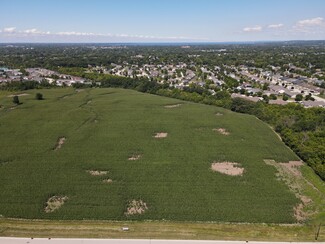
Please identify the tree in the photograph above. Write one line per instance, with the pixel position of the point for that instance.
(39, 96)
(15, 99)
(298, 98)
(273, 97)
(265, 86)
(309, 97)
(285, 97)
(222, 95)
(265, 98)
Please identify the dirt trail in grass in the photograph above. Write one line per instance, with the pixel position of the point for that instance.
(173, 105)
(19, 95)
(67, 95)
(86, 106)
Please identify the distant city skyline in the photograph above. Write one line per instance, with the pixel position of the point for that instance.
(161, 20)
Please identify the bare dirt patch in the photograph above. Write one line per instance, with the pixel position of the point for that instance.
(134, 157)
(136, 207)
(173, 105)
(54, 203)
(293, 167)
(59, 143)
(299, 213)
(19, 95)
(160, 135)
(290, 174)
(97, 172)
(107, 181)
(228, 168)
(222, 131)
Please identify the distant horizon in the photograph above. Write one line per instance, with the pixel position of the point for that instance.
(151, 21)
(165, 43)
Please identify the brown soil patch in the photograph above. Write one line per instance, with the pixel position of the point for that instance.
(228, 168)
(136, 207)
(134, 157)
(290, 174)
(293, 167)
(54, 203)
(59, 143)
(299, 213)
(97, 172)
(108, 181)
(161, 135)
(173, 106)
(222, 131)
(19, 95)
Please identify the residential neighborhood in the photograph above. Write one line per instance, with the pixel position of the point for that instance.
(254, 84)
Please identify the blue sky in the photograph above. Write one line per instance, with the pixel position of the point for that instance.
(161, 20)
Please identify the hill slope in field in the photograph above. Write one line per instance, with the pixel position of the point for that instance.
(119, 154)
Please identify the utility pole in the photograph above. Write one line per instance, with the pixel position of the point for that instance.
(317, 232)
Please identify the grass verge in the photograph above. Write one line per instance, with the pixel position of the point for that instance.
(159, 230)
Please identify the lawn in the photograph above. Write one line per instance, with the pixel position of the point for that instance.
(172, 176)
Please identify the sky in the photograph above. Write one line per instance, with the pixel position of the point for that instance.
(161, 20)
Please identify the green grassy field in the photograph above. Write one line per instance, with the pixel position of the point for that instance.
(104, 127)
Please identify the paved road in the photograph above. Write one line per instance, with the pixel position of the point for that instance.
(8, 240)
(317, 98)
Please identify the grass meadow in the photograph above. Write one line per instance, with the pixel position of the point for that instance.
(104, 127)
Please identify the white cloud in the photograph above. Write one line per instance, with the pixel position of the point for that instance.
(319, 21)
(253, 29)
(314, 26)
(64, 35)
(31, 31)
(275, 26)
(74, 33)
(9, 30)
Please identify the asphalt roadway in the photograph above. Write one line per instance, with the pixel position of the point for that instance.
(10, 240)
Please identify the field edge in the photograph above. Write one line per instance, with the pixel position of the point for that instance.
(159, 230)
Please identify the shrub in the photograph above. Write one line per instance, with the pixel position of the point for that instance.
(39, 96)
(15, 99)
